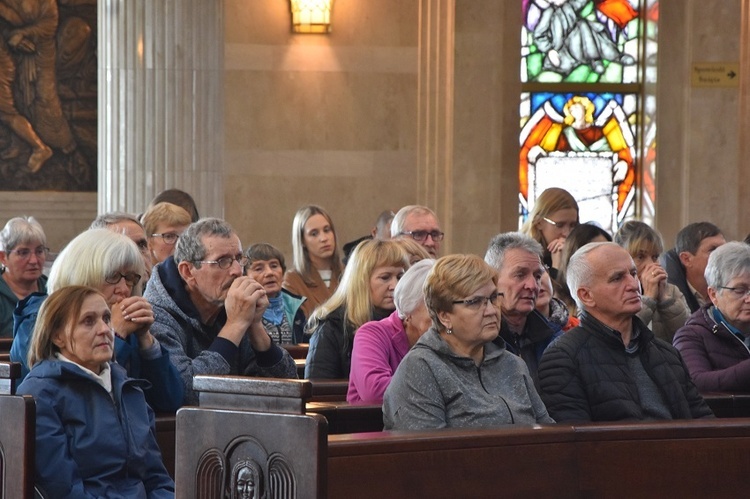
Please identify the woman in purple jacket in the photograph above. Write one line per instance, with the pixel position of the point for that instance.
(380, 345)
(715, 341)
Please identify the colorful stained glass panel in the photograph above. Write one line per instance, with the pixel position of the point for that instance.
(584, 41)
(584, 143)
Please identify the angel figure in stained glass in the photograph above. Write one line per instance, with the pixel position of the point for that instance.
(579, 131)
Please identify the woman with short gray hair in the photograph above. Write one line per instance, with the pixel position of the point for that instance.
(23, 252)
(380, 345)
(715, 341)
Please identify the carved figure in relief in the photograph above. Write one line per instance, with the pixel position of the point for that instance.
(247, 480)
(9, 114)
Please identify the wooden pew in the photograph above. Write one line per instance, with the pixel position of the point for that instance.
(299, 354)
(17, 439)
(729, 405)
(250, 428)
(17, 436)
(5, 344)
(660, 459)
(707, 458)
(166, 437)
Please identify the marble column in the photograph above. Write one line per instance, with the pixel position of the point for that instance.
(435, 110)
(743, 215)
(160, 102)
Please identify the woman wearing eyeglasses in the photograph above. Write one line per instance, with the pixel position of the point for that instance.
(715, 341)
(455, 376)
(554, 215)
(23, 251)
(163, 223)
(110, 263)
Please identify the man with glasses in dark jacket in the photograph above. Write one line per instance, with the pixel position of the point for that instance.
(208, 313)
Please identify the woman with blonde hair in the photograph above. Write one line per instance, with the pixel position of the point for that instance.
(364, 294)
(164, 223)
(416, 251)
(456, 375)
(554, 215)
(94, 430)
(664, 308)
(316, 265)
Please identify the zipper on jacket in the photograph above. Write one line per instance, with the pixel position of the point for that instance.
(481, 382)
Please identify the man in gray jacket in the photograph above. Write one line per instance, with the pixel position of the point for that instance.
(208, 314)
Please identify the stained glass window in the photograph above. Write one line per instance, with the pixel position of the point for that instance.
(586, 122)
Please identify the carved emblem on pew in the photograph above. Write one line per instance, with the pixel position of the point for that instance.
(253, 473)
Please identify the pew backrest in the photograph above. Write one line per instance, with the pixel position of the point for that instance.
(17, 439)
(219, 451)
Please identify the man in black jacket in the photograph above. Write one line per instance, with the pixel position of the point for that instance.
(612, 367)
(523, 330)
(686, 262)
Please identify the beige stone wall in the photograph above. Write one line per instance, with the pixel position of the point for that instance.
(62, 214)
(363, 119)
(700, 173)
(323, 119)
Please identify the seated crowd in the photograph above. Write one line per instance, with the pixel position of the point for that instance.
(561, 322)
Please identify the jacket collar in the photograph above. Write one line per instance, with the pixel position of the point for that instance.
(433, 341)
(641, 333)
(536, 329)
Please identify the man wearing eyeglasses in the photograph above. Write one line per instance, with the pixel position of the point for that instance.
(523, 330)
(612, 367)
(421, 224)
(208, 314)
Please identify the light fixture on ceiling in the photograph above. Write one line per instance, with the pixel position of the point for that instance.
(311, 16)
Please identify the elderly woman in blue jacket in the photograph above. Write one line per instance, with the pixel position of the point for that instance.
(111, 263)
(94, 430)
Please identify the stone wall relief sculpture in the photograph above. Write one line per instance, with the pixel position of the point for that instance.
(48, 95)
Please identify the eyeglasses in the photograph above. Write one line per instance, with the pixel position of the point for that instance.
(421, 235)
(226, 262)
(738, 292)
(478, 302)
(169, 237)
(24, 253)
(561, 225)
(131, 278)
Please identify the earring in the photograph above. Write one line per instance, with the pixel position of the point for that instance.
(449, 330)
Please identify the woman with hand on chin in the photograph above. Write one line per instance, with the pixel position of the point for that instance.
(554, 215)
(455, 375)
(664, 308)
(316, 267)
(94, 430)
(112, 264)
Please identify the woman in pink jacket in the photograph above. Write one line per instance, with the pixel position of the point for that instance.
(380, 345)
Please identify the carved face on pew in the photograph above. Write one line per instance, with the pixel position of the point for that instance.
(246, 480)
